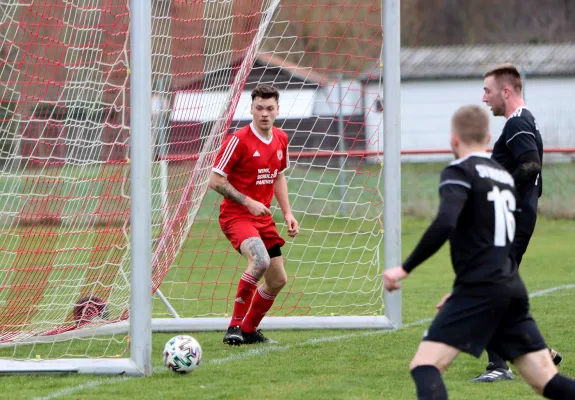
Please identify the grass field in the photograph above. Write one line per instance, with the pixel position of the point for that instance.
(345, 364)
(334, 274)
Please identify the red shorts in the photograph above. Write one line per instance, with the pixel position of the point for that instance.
(240, 228)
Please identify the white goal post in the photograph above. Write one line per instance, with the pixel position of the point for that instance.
(137, 274)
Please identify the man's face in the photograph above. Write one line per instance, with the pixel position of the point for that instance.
(265, 112)
(493, 96)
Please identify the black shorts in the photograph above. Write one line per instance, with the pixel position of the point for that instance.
(471, 324)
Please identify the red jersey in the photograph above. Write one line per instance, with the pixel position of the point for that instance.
(251, 164)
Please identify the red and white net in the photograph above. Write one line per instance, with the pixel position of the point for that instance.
(321, 55)
(65, 151)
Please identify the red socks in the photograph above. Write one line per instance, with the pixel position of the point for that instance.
(261, 304)
(247, 296)
(244, 296)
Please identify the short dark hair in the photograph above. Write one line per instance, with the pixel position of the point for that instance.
(471, 124)
(508, 73)
(265, 92)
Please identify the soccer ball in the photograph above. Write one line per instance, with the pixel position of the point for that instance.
(182, 354)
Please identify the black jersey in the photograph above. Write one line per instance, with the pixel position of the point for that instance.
(520, 135)
(482, 239)
(476, 215)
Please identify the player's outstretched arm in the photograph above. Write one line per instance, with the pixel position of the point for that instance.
(392, 277)
(453, 198)
(282, 197)
(220, 184)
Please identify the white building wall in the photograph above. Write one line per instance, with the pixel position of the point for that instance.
(427, 107)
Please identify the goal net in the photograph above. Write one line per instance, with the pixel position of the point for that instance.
(65, 165)
(330, 107)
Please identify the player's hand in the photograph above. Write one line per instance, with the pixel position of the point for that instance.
(292, 225)
(439, 305)
(258, 209)
(392, 276)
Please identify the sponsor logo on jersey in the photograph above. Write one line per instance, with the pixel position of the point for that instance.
(266, 177)
(256, 154)
(499, 175)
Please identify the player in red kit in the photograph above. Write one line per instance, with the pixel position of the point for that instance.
(248, 172)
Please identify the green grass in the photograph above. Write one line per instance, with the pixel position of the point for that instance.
(419, 190)
(332, 269)
(327, 264)
(352, 364)
(84, 193)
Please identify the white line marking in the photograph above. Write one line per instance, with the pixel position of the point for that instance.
(550, 290)
(269, 349)
(87, 385)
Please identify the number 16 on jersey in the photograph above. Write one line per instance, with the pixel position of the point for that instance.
(504, 205)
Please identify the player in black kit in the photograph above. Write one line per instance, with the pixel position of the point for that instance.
(489, 305)
(519, 150)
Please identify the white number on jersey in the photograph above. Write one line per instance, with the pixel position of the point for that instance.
(504, 206)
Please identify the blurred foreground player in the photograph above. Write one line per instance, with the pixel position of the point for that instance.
(489, 305)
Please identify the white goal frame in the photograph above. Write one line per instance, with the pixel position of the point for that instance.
(140, 324)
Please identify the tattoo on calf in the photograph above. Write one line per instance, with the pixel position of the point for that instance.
(229, 192)
(259, 254)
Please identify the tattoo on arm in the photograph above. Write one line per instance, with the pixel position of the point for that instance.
(229, 192)
(258, 254)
